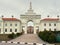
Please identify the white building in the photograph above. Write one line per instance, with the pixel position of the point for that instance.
(9, 25)
(50, 24)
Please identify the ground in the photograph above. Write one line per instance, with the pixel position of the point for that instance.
(31, 38)
(12, 44)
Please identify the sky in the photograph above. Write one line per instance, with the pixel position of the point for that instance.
(18, 7)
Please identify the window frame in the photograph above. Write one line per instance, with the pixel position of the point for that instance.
(10, 30)
(44, 29)
(15, 24)
(44, 24)
(10, 24)
(5, 29)
(5, 24)
(0, 30)
(55, 24)
(54, 29)
(49, 29)
(15, 30)
(49, 24)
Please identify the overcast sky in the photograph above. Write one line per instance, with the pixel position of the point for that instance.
(17, 7)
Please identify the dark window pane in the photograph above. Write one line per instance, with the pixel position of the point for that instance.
(50, 29)
(55, 29)
(45, 24)
(15, 24)
(49, 24)
(10, 24)
(54, 24)
(5, 24)
(10, 30)
(5, 30)
(44, 28)
(15, 30)
(0, 30)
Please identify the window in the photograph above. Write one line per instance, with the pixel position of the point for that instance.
(5, 24)
(10, 30)
(44, 24)
(10, 24)
(0, 24)
(15, 30)
(0, 30)
(50, 29)
(23, 26)
(49, 24)
(44, 28)
(54, 24)
(55, 29)
(37, 26)
(5, 30)
(15, 24)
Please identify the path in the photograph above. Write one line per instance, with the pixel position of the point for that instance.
(31, 38)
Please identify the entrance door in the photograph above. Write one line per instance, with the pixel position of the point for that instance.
(30, 29)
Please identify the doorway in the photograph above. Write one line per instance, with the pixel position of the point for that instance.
(30, 27)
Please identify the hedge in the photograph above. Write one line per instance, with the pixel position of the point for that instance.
(12, 36)
(48, 36)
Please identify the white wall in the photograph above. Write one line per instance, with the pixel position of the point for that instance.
(1, 26)
(48, 27)
(13, 27)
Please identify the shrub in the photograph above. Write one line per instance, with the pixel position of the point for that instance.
(48, 36)
(18, 34)
(11, 36)
(52, 38)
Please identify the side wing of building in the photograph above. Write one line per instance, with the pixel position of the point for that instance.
(52, 24)
(9, 25)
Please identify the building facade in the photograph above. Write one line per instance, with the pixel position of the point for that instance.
(9, 25)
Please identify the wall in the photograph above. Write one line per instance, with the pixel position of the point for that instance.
(47, 25)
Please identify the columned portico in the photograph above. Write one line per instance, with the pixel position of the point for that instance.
(30, 15)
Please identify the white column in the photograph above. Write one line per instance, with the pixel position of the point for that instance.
(25, 29)
(34, 29)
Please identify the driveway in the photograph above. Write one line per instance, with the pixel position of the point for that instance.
(31, 38)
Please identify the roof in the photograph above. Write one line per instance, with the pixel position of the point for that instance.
(10, 19)
(50, 19)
